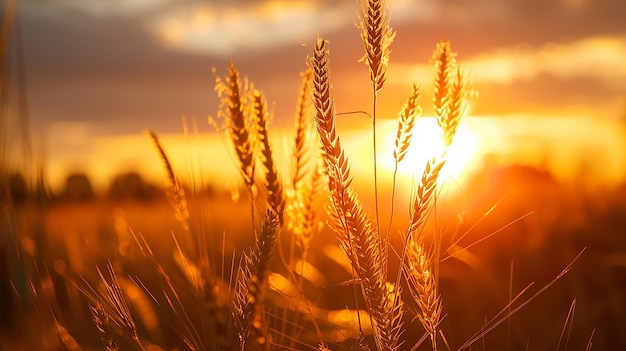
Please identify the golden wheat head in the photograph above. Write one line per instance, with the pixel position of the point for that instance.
(406, 121)
(233, 109)
(355, 231)
(175, 192)
(272, 181)
(103, 324)
(377, 37)
(247, 303)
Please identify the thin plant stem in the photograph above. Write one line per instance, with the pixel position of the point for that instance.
(391, 208)
(251, 191)
(375, 163)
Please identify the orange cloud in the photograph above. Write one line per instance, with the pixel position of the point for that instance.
(594, 57)
(224, 29)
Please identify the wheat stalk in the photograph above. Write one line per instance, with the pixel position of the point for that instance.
(112, 303)
(238, 125)
(444, 61)
(423, 286)
(175, 192)
(355, 231)
(377, 37)
(305, 216)
(421, 268)
(120, 315)
(406, 122)
(455, 108)
(233, 110)
(425, 195)
(103, 324)
(306, 174)
(271, 180)
(247, 302)
(182, 323)
(303, 135)
(202, 280)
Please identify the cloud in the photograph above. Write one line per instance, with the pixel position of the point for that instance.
(224, 29)
(599, 58)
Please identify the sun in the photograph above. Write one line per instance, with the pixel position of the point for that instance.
(462, 156)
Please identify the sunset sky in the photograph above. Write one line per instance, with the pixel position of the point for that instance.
(102, 71)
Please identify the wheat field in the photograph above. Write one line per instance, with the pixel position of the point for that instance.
(301, 261)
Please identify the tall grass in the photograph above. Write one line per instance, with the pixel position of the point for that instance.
(26, 281)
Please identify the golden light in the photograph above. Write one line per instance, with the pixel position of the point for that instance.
(226, 28)
(461, 158)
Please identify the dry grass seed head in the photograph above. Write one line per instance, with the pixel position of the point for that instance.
(116, 306)
(406, 122)
(103, 324)
(377, 37)
(425, 195)
(175, 192)
(233, 110)
(444, 63)
(303, 129)
(457, 103)
(335, 163)
(305, 215)
(354, 229)
(271, 179)
(423, 285)
(247, 302)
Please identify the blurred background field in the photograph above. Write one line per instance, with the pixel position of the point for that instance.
(539, 226)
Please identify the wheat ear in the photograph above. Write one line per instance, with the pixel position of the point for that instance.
(450, 92)
(449, 121)
(406, 122)
(303, 130)
(423, 286)
(305, 221)
(420, 269)
(201, 279)
(103, 324)
(272, 181)
(444, 61)
(377, 37)
(175, 192)
(355, 231)
(247, 303)
(306, 173)
(407, 117)
(238, 124)
(234, 111)
(113, 304)
(121, 313)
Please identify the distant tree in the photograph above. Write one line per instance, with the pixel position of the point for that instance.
(18, 189)
(131, 186)
(78, 188)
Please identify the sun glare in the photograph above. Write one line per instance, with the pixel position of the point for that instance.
(461, 157)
